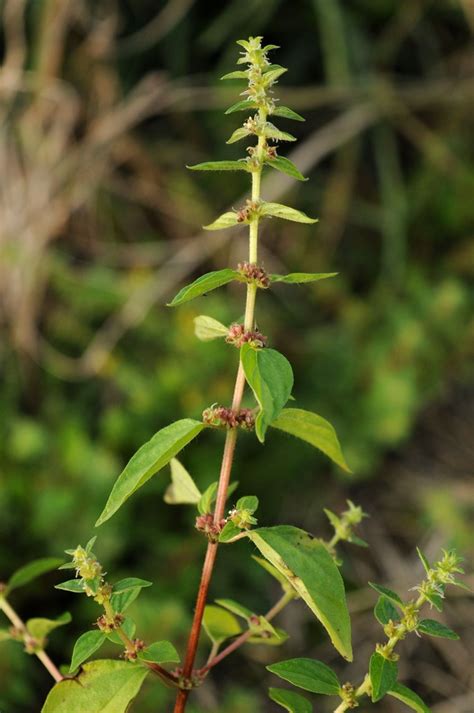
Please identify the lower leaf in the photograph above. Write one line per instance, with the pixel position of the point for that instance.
(292, 702)
(383, 676)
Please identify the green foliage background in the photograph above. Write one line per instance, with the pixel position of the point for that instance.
(93, 363)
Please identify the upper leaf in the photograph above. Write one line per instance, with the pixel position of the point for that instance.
(226, 220)
(436, 628)
(241, 106)
(86, 645)
(287, 113)
(131, 583)
(160, 652)
(388, 593)
(270, 376)
(183, 490)
(39, 627)
(310, 569)
(409, 698)
(291, 701)
(272, 74)
(220, 624)
(314, 430)
(240, 165)
(273, 132)
(383, 675)
(101, 687)
(31, 571)
(238, 74)
(309, 674)
(285, 166)
(283, 211)
(206, 283)
(207, 328)
(148, 460)
(298, 278)
(240, 133)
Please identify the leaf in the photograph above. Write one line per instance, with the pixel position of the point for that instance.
(409, 698)
(273, 132)
(287, 113)
(236, 75)
(86, 645)
(270, 376)
(286, 586)
(383, 675)
(240, 165)
(5, 635)
(248, 502)
(182, 490)
(424, 560)
(384, 611)
(307, 565)
(160, 652)
(148, 460)
(283, 211)
(297, 278)
(101, 687)
(240, 133)
(131, 583)
(235, 608)
(206, 283)
(204, 505)
(31, 571)
(280, 163)
(228, 532)
(72, 585)
(309, 674)
(435, 628)
(268, 639)
(226, 220)
(386, 592)
(241, 106)
(206, 328)
(39, 627)
(436, 600)
(291, 701)
(272, 75)
(122, 600)
(313, 429)
(220, 624)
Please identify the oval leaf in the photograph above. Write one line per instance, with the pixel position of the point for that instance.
(314, 430)
(148, 460)
(183, 489)
(207, 328)
(86, 645)
(220, 166)
(409, 698)
(101, 687)
(32, 570)
(291, 701)
(220, 624)
(160, 652)
(122, 600)
(283, 211)
(383, 676)
(384, 611)
(206, 283)
(39, 627)
(435, 628)
(298, 278)
(310, 569)
(270, 376)
(308, 674)
(284, 165)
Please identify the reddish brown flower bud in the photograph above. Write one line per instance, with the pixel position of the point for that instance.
(253, 273)
(238, 336)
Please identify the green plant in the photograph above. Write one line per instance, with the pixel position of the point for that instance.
(305, 566)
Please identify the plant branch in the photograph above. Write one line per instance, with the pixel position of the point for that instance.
(19, 624)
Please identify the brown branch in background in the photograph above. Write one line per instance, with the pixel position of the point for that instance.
(156, 29)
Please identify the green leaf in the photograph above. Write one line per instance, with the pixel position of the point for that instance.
(298, 278)
(101, 687)
(424, 560)
(248, 502)
(286, 586)
(284, 165)
(31, 571)
(240, 133)
(270, 376)
(272, 75)
(307, 565)
(148, 460)
(182, 490)
(314, 430)
(206, 328)
(131, 583)
(273, 132)
(269, 639)
(287, 113)
(309, 674)
(228, 532)
(5, 635)
(240, 165)
(235, 608)
(386, 592)
(435, 628)
(435, 600)
(160, 652)
(86, 645)
(204, 505)
(283, 211)
(226, 220)
(72, 585)
(291, 701)
(236, 75)
(128, 627)
(220, 624)
(383, 675)
(39, 628)
(409, 698)
(206, 283)
(384, 611)
(241, 106)
(122, 600)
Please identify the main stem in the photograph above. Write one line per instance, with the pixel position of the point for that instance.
(227, 458)
(19, 624)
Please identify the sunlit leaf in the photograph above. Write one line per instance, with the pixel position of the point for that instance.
(39, 627)
(207, 328)
(220, 624)
(160, 652)
(236, 75)
(182, 490)
(204, 284)
(224, 221)
(278, 210)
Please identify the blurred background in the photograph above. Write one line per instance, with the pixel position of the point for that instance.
(102, 106)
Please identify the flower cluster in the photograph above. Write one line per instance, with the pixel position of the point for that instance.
(256, 57)
(248, 212)
(205, 524)
(238, 335)
(223, 417)
(253, 273)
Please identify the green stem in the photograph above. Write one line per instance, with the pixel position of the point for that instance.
(19, 624)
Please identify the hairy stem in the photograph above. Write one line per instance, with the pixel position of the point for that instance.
(227, 457)
(19, 624)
